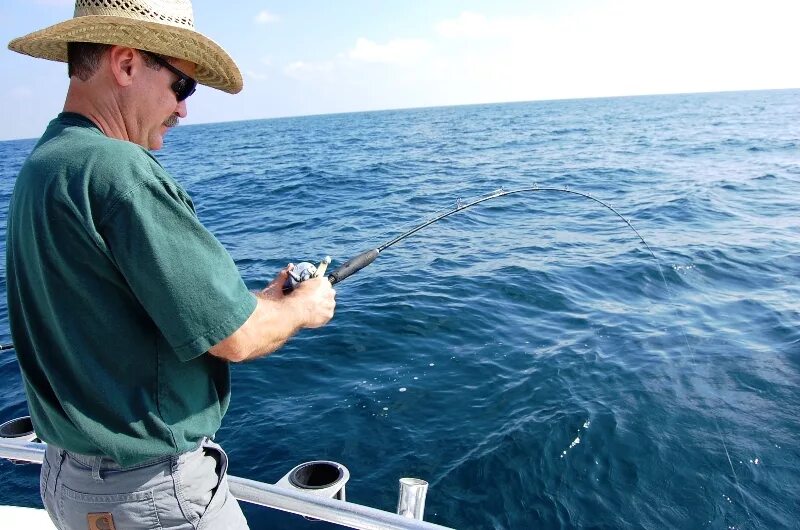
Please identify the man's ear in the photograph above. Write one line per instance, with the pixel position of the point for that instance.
(123, 62)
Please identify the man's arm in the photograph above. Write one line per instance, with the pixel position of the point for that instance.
(277, 317)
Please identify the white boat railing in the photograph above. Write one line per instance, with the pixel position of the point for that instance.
(335, 511)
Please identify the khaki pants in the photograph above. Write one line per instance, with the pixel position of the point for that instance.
(183, 492)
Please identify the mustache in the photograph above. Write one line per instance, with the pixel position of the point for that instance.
(172, 121)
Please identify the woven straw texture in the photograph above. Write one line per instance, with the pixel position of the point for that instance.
(168, 30)
(173, 12)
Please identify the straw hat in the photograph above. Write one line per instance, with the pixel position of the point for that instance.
(164, 27)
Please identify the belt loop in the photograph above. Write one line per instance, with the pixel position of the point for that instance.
(96, 461)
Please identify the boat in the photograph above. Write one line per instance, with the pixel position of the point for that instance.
(315, 490)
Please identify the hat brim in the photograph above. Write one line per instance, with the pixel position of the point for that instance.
(215, 68)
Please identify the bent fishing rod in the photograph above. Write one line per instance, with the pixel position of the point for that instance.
(305, 270)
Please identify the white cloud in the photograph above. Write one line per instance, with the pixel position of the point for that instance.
(265, 17)
(606, 48)
(304, 70)
(394, 51)
(620, 47)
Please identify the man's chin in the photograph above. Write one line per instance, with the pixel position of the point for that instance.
(157, 140)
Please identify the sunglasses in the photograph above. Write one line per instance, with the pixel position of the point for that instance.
(184, 86)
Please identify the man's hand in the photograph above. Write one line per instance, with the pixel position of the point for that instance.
(316, 299)
(274, 290)
(278, 316)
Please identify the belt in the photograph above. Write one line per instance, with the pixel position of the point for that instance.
(102, 462)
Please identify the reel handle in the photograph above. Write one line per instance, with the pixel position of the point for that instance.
(323, 266)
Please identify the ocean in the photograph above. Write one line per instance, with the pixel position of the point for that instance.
(528, 357)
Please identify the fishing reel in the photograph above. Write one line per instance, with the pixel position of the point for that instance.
(304, 271)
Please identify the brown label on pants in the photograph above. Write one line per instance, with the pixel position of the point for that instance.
(101, 521)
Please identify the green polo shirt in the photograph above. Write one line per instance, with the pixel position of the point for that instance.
(115, 294)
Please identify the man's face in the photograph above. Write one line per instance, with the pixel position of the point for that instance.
(160, 105)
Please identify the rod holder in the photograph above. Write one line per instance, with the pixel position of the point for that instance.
(20, 429)
(318, 477)
(411, 501)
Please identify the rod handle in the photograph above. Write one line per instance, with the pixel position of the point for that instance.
(353, 265)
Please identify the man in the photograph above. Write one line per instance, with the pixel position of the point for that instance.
(124, 310)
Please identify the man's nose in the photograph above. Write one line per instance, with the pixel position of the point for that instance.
(181, 109)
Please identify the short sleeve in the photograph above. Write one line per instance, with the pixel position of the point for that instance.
(180, 273)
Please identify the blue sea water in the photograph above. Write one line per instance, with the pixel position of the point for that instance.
(528, 357)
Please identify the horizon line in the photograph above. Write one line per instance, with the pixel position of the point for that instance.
(455, 105)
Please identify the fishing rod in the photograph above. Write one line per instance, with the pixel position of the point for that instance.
(357, 263)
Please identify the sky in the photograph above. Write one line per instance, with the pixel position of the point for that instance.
(320, 56)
